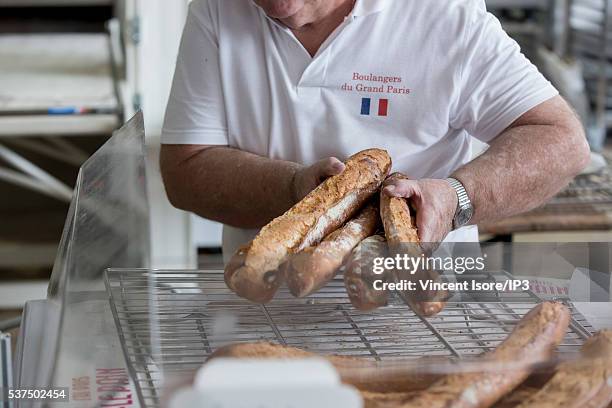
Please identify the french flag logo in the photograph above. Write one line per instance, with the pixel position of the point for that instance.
(366, 104)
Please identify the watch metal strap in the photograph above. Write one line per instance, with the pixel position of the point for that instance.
(462, 195)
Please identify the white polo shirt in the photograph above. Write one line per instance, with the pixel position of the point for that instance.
(418, 78)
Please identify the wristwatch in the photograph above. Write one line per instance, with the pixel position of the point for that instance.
(465, 210)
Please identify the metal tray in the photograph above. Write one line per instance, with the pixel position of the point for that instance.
(170, 322)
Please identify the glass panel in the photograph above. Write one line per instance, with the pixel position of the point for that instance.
(107, 225)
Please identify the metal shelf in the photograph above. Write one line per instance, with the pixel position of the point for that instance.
(591, 25)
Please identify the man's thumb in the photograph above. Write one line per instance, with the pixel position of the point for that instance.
(334, 166)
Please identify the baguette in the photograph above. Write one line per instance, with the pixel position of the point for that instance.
(402, 238)
(359, 274)
(584, 383)
(516, 397)
(532, 341)
(253, 272)
(398, 399)
(309, 270)
(400, 225)
(386, 399)
(365, 375)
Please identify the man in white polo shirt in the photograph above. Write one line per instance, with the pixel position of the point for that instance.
(270, 95)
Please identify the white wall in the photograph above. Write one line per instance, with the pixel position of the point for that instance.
(161, 24)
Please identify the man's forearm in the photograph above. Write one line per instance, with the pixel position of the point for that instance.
(230, 186)
(523, 168)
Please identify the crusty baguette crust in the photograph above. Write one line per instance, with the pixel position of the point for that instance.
(310, 269)
(365, 375)
(583, 383)
(402, 237)
(599, 345)
(261, 349)
(386, 399)
(516, 397)
(253, 273)
(398, 399)
(359, 276)
(398, 222)
(533, 340)
(423, 303)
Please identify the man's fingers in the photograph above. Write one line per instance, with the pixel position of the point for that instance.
(333, 166)
(401, 188)
(326, 168)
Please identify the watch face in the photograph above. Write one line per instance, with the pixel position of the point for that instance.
(464, 215)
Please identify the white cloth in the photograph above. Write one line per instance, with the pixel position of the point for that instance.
(417, 78)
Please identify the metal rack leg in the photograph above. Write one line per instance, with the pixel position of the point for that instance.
(54, 148)
(37, 176)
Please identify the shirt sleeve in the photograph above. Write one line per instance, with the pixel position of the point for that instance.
(497, 83)
(196, 113)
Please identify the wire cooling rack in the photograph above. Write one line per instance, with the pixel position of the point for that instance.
(175, 320)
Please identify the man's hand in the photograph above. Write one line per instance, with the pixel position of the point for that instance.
(435, 202)
(308, 178)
